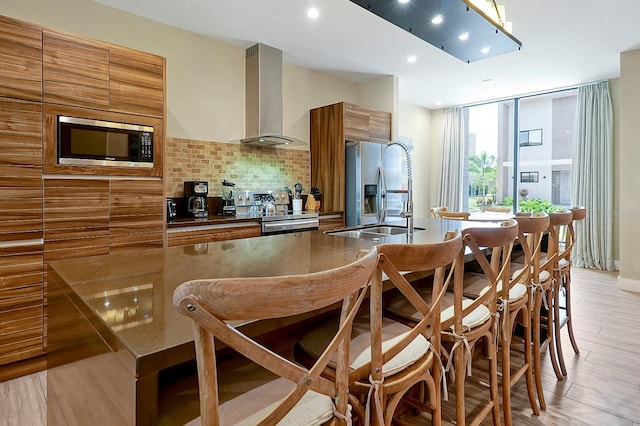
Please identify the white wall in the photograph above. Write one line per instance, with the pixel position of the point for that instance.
(415, 123)
(629, 155)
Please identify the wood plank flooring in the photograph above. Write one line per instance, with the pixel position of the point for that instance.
(602, 387)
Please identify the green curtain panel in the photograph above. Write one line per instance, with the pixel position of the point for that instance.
(450, 185)
(592, 177)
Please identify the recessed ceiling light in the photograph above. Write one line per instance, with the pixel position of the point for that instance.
(464, 36)
(403, 1)
(412, 58)
(485, 50)
(437, 19)
(313, 13)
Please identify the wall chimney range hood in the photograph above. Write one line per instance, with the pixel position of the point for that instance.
(263, 98)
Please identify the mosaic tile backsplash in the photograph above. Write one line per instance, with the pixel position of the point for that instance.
(249, 167)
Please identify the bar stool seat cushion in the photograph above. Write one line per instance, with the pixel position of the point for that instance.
(313, 409)
(314, 342)
(544, 275)
(475, 286)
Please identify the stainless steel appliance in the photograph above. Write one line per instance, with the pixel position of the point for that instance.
(104, 143)
(272, 207)
(228, 201)
(171, 210)
(195, 193)
(373, 190)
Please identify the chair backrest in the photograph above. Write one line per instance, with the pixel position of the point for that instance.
(531, 228)
(454, 215)
(497, 209)
(397, 258)
(211, 302)
(436, 210)
(491, 248)
(560, 239)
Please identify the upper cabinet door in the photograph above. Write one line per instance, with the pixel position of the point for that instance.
(380, 126)
(136, 82)
(356, 123)
(76, 71)
(20, 60)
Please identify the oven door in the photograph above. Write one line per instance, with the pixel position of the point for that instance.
(289, 225)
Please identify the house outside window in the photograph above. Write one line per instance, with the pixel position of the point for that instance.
(519, 146)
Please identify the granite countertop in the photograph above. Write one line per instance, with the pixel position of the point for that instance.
(131, 293)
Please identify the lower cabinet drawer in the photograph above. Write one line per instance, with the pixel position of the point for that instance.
(207, 234)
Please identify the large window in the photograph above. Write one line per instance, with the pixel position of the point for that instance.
(519, 149)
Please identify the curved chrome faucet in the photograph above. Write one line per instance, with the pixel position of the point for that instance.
(407, 211)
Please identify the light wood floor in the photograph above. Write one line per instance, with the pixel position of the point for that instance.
(603, 386)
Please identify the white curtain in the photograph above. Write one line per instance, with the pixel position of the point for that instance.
(592, 177)
(450, 185)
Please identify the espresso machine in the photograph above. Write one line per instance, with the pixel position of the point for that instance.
(195, 193)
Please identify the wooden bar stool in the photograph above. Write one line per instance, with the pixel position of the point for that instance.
(513, 304)
(531, 230)
(454, 215)
(436, 210)
(271, 388)
(388, 358)
(559, 249)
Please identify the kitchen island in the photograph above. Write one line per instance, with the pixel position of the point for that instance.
(112, 328)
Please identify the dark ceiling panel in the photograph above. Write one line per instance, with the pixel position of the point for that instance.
(459, 16)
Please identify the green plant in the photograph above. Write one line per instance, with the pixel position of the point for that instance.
(507, 201)
(537, 205)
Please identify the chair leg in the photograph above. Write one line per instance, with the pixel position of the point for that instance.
(506, 372)
(567, 287)
(460, 373)
(493, 379)
(557, 322)
(535, 326)
(548, 294)
(526, 320)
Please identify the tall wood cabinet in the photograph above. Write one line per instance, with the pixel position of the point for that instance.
(48, 212)
(331, 126)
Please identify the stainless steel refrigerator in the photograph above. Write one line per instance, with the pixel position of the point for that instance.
(374, 191)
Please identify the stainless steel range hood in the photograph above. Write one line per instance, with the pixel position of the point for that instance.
(263, 98)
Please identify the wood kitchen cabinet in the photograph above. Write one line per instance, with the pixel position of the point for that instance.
(136, 82)
(86, 73)
(75, 70)
(210, 233)
(20, 60)
(21, 250)
(330, 127)
(136, 215)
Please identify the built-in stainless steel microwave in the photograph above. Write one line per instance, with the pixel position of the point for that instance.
(104, 143)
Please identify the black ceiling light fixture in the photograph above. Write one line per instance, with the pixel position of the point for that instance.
(470, 30)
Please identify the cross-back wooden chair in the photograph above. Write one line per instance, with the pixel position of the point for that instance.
(273, 388)
(454, 215)
(560, 243)
(468, 321)
(532, 228)
(497, 209)
(436, 210)
(492, 249)
(395, 357)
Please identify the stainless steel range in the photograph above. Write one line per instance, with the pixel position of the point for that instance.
(272, 206)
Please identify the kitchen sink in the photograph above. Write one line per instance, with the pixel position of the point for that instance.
(386, 230)
(372, 233)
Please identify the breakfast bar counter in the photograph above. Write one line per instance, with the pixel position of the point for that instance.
(112, 327)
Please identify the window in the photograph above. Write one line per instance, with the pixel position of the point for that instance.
(531, 137)
(503, 144)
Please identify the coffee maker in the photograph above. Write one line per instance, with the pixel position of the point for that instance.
(195, 193)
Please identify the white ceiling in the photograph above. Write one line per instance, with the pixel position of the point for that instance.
(564, 43)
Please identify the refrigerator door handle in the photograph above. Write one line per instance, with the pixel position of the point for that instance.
(381, 213)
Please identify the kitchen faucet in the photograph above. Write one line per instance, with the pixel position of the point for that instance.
(407, 210)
